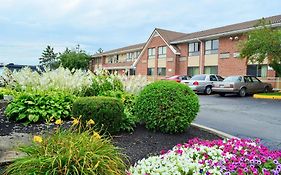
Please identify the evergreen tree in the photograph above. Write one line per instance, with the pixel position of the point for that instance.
(49, 58)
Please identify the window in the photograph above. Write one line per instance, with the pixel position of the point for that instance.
(116, 59)
(151, 53)
(138, 53)
(113, 59)
(192, 71)
(211, 69)
(248, 79)
(255, 80)
(193, 49)
(211, 47)
(110, 59)
(162, 52)
(213, 78)
(220, 78)
(150, 71)
(257, 70)
(132, 55)
(161, 71)
(198, 77)
(132, 72)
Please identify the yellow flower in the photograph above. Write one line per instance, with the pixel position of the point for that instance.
(91, 122)
(37, 139)
(58, 122)
(75, 121)
(96, 135)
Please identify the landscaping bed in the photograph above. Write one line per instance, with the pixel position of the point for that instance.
(137, 145)
(144, 141)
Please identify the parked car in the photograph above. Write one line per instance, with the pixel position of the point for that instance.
(178, 78)
(202, 83)
(241, 85)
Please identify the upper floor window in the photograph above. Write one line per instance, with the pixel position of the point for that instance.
(132, 55)
(162, 52)
(211, 47)
(113, 59)
(151, 53)
(193, 49)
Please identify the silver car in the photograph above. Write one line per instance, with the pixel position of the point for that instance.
(202, 83)
(241, 85)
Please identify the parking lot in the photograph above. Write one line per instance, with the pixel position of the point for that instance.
(243, 117)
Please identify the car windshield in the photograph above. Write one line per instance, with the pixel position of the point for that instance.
(198, 77)
(233, 79)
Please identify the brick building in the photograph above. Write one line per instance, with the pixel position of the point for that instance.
(168, 53)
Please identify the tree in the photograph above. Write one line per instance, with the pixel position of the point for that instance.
(74, 59)
(263, 43)
(100, 50)
(49, 58)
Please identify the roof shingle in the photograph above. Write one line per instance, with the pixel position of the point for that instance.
(228, 28)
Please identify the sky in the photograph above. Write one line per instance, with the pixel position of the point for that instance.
(28, 26)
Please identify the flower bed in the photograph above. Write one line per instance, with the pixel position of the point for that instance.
(197, 156)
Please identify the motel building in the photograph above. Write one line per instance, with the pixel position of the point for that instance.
(167, 53)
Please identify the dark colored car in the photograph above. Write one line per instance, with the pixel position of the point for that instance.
(178, 78)
(241, 85)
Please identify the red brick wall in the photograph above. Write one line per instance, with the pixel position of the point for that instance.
(141, 67)
(182, 65)
(231, 66)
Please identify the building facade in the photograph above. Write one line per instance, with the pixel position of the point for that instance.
(168, 53)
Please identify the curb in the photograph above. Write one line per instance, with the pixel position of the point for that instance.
(267, 97)
(214, 131)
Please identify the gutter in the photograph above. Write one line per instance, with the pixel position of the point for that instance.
(223, 34)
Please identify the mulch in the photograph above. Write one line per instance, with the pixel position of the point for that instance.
(136, 145)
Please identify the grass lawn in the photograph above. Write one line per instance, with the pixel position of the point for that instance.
(272, 93)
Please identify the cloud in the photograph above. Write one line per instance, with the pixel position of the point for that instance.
(28, 26)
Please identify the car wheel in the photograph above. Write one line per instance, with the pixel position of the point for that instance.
(222, 94)
(208, 90)
(266, 89)
(242, 92)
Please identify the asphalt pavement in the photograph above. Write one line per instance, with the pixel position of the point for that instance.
(243, 117)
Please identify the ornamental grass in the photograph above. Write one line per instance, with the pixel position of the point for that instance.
(73, 151)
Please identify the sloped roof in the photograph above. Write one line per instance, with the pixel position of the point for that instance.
(122, 49)
(169, 35)
(228, 28)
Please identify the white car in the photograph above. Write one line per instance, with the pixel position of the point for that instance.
(202, 83)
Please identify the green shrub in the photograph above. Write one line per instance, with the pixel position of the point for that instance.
(1, 96)
(167, 106)
(129, 120)
(101, 84)
(69, 153)
(107, 112)
(37, 106)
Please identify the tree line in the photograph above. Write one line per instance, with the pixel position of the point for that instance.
(70, 58)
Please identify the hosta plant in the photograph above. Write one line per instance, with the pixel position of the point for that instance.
(218, 157)
(39, 106)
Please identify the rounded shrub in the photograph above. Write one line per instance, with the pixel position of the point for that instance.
(69, 153)
(107, 112)
(167, 106)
